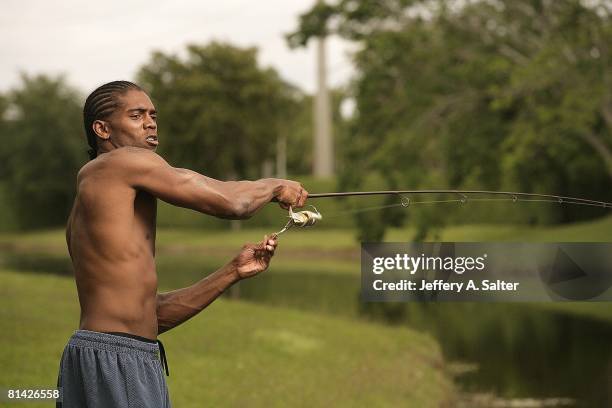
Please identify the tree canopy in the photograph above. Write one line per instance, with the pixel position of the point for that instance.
(43, 146)
(220, 112)
(489, 94)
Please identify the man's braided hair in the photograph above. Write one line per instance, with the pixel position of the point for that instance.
(100, 104)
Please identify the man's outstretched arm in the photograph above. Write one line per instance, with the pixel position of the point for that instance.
(148, 171)
(173, 308)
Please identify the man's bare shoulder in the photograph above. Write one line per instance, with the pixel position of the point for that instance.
(120, 162)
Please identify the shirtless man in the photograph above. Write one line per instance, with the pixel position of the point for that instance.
(114, 359)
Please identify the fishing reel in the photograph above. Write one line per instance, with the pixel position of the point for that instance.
(301, 219)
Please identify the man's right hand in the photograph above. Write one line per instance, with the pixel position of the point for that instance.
(255, 258)
(291, 194)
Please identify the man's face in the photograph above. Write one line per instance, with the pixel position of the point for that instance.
(134, 123)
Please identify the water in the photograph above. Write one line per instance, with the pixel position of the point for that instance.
(511, 351)
(519, 351)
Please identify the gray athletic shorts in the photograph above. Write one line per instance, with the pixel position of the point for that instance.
(105, 370)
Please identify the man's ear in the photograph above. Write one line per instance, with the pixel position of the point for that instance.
(101, 128)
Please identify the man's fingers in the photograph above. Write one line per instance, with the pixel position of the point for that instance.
(303, 198)
(292, 194)
(298, 199)
(270, 243)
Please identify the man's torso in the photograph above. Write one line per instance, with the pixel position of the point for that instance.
(111, 239)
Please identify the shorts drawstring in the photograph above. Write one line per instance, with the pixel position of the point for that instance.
(162, 354)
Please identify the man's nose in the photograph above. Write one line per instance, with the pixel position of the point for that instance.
(150, 123)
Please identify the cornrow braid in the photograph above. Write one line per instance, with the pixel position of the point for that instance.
(99, 105)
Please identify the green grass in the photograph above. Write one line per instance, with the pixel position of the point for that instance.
(338, 239)
(591, 231)
(307, 238)
(236, 353)
(342, 239)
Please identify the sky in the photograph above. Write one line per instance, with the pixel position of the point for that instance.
(95, 42)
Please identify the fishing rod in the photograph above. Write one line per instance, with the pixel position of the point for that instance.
(515, 195)
(309, 218)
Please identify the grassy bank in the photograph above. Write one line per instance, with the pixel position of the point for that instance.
(237, 354)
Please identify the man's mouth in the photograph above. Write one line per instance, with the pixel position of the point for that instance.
(152, 140)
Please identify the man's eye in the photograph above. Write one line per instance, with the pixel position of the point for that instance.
(135, 116)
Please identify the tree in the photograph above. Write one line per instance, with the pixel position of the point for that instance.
(480, 94)
(43, 146)
(220, 113)
(300, 149)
